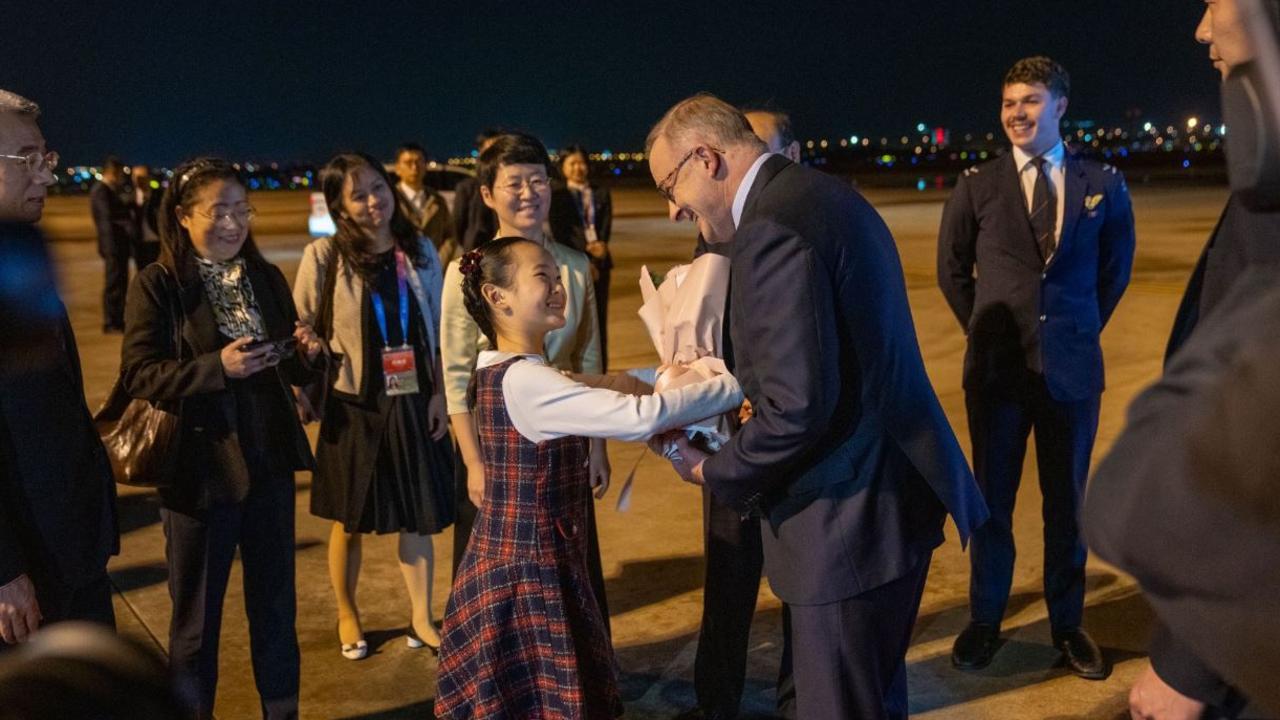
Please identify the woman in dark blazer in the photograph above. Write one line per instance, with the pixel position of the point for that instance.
(241, 441)
(582, 218)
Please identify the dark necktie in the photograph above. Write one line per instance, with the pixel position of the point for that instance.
(1044, 211)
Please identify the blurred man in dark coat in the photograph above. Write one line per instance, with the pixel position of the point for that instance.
(57, 498)
(114, 223)
(1167, 504)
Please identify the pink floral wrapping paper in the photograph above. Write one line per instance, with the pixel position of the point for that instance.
(685, 319)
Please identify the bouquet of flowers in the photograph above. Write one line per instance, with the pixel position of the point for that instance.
(685, 319)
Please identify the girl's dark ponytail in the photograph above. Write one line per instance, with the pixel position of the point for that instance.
(489, 264)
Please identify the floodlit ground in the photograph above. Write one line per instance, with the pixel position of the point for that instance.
(653, 553)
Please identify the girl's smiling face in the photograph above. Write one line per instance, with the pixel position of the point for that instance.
(535, 300)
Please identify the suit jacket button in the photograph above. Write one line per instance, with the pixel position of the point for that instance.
(1044, 276)
(1043, 318)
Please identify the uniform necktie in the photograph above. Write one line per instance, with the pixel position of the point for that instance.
(1043, 212)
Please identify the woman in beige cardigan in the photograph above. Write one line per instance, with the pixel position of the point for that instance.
(514, 182)
(383, 461)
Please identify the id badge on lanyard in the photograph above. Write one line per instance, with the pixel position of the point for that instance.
(399, 365)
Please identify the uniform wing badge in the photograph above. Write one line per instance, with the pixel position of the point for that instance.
(1091, 203)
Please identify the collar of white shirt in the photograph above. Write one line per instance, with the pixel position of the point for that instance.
(414, 196)
(1056, 156)
(494, 357)
(740, 199)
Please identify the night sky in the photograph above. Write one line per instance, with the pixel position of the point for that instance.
(296, 81)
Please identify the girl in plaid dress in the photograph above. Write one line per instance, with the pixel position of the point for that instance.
(523, 636)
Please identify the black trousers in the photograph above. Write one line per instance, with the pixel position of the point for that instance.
(850, 656)
(90, 602)
(199, 551)
(1065, 431)
(116, 283)
(465, 519)
(734, 563)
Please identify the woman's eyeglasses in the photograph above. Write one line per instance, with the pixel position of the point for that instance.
(238, 217)
(538, 184)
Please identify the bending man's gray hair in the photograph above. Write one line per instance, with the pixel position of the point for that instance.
(15, 103)
(705, 118)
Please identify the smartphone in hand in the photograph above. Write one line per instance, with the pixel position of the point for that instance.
(281, 349)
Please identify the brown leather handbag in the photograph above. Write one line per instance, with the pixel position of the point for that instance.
(141, 436)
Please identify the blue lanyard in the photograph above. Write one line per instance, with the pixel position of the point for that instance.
(380, 311)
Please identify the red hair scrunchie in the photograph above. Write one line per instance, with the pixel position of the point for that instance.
(470, 262)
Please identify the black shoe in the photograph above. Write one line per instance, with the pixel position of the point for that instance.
(976, 646)
(698, 713)
(1082, 654)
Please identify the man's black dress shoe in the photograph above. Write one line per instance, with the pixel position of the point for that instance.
(1082, 654)
(976, 646)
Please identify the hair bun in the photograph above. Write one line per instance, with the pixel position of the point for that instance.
(470, 262)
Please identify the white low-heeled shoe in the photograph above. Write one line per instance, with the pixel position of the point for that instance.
(416, 643)
(358, 650)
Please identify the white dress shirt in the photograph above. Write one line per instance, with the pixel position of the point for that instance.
(1056, 170)
(416, 198)
(740, 198)
(544, 404)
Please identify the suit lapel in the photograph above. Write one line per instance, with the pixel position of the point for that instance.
(1015, 203)
(1077, 183)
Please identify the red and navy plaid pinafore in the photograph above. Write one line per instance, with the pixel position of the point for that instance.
(523, 637)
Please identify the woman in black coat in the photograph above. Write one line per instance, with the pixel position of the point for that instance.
(241, 441)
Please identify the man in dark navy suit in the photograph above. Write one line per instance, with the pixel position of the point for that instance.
(735, 558)
(1034, 254)
(848, 456)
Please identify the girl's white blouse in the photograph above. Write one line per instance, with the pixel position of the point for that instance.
(545, 404)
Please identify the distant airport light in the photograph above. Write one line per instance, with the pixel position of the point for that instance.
(1192, 123)
(1146, 127)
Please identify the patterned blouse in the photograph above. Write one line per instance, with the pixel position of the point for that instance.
(226, 285)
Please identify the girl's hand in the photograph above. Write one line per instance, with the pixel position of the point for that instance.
(437, 418)
(598, 468)
(238, 363)
(307, 339)
(475, 484)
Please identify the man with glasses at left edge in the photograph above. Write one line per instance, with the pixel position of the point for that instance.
(57, 498)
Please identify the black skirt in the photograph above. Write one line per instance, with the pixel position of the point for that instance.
(378, 469)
